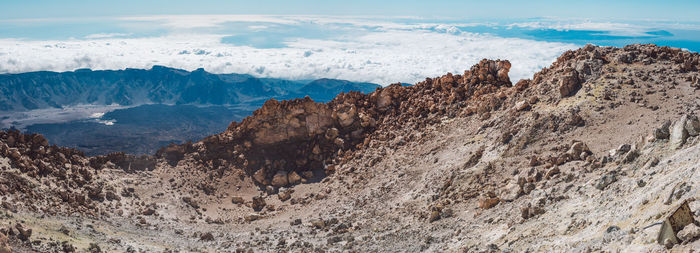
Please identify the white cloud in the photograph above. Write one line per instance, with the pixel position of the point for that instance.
(258, 27)
(208, 21)
(614, 28)
(106, 35)
(395, 53)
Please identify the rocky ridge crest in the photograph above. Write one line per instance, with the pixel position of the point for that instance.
(284, 140)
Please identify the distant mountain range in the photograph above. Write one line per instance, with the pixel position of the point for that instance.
(158, 85)
(158, 106)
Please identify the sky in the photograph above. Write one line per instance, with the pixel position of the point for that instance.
(371, 41)
(673, 10)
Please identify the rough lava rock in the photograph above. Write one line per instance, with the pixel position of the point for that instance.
(284, 139)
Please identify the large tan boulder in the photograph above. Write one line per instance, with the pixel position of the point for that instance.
(280, 179)
(569, 84)
(346, 115)
(259, 176)
(384, 99)
(293, 178)
(678, 133)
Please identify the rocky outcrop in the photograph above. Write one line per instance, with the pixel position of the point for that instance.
(31, 154)
(73, 178)
(686, 126)
(296, 136)
(282, 140)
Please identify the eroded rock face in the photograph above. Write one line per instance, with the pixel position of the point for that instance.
(279, 122)
(569, 83)
(283, 140)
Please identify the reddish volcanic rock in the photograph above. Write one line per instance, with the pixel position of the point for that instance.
(290, 137)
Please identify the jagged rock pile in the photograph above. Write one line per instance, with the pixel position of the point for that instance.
(32, 155)
(55, 179)
(34, 158)
(285, 142)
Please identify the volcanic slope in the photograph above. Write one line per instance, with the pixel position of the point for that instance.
(588, 155)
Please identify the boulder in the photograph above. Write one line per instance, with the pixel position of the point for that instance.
(678, 133)
(280, 179)
(331, 133)
(148, 211)
(308, 174)
(511, 192)
(692, 125)
(521, 106)
(293, 177)
(502, 69)
(284, 195)
(24, 233)
(569, 84)
(318, 223)
(191, 202)
(630, 156)
(530, 211)
(690, 233)
(67, 247)
(252, 217)
(551, 172)
(606, 180)
(346, 115)
(663, 132)
(259, 176)
(488, 203)
(577, 149)
(383, 99)
(237, 200)
(620, 151)
(434, 215)
(258, 203)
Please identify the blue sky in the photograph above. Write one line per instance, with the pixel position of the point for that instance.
(673, 10)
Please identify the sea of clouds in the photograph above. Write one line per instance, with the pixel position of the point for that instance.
(360, 49)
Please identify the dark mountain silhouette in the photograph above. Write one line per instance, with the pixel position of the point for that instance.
(158, 85)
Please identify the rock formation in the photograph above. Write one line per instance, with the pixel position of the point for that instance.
(300, 135)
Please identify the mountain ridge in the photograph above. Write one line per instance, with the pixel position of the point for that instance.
(158, 85)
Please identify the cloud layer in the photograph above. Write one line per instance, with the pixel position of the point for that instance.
(384, 53)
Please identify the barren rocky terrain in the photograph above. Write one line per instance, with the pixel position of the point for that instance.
(594, 153)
